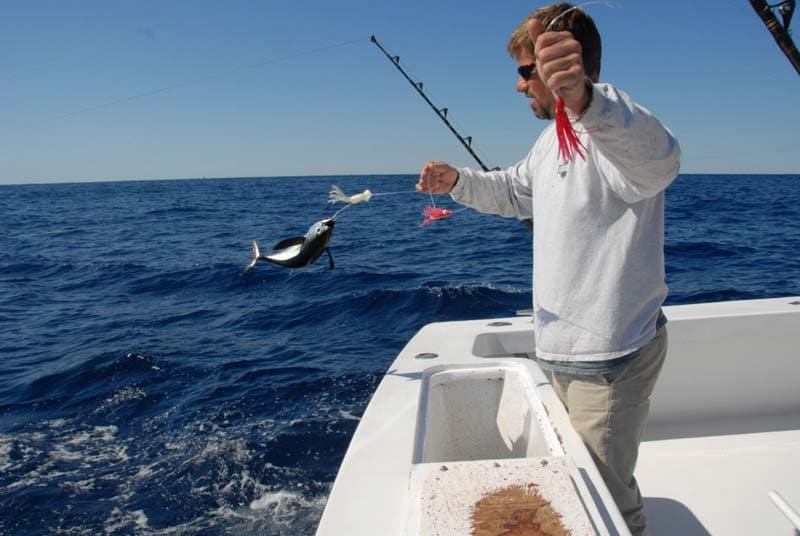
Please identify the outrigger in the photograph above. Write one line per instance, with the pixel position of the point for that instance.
(780, 30)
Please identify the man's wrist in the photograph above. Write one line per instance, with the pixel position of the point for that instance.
(588, 99)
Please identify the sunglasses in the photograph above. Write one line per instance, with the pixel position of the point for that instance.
(527, 71)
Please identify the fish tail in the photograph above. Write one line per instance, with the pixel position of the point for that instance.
(256, 255)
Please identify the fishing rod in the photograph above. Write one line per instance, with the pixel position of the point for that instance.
(780, 32)
(442, 113)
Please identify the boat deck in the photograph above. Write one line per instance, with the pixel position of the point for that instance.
(724, 427)
(698, 486)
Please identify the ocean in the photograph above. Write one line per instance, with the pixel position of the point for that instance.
(148, 387)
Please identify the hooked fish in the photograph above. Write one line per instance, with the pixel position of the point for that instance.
(299, 251)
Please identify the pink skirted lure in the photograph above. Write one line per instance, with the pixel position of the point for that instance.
(434, 213)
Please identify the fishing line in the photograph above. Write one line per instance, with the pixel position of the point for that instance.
(430, 212)
(336, 195)
(581, 6)
(192, 82)
(428, 178)
(146, 31)
(338, 211)
(394, 193)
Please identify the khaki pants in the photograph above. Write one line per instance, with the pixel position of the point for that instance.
(609, 413)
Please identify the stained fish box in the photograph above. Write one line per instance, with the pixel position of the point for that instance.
(463, 435)
(494, 497)
(487, 459)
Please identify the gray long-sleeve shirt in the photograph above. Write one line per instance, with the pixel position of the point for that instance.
(598, 240)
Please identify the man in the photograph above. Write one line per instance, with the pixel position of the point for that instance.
(598, 239)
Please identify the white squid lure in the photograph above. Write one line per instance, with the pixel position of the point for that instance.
(336, 194)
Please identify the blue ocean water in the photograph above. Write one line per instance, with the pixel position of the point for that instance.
(147, 387)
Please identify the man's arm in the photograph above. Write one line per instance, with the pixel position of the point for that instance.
(506, 192)
(644, 153)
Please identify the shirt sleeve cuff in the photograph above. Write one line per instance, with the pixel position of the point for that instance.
(590, 118)
(460, 186)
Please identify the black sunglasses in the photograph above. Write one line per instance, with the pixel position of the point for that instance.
(527, 71)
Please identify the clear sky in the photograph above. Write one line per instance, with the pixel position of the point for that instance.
(100, 90)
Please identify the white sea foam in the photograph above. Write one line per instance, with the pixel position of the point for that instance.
(285, 508)
(278, 499)
(5, 453)
(119, 520)
(80, 486)
(145, 472)
(108, 432)
(79, 438)
(234, 450)
(63, 454)
(82, 460)
(72, 459)
(346, 415)
(469, 290)
(126, 394)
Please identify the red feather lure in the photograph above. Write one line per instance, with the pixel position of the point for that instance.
(568, 142)
(434, 213)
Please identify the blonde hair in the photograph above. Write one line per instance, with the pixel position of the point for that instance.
(577, 22)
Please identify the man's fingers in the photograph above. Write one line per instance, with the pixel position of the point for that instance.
(548, 39)
(564, 72)
(535, 29)
(436, 177)
(429, 178)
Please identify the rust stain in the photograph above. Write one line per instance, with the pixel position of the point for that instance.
(516, 511)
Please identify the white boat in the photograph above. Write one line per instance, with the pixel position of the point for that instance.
(464, 435)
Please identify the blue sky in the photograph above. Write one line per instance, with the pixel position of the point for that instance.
(708, 69)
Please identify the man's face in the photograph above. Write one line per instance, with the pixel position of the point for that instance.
(543, 101)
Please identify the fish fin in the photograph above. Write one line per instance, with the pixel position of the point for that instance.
(328, 251)
(254, 260)
(283, 244)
